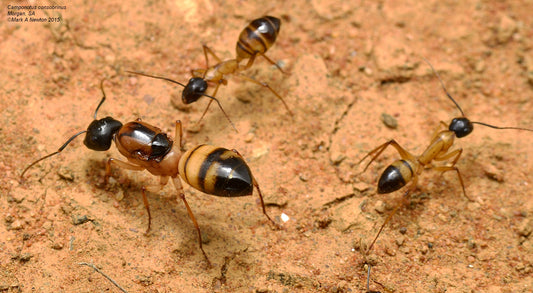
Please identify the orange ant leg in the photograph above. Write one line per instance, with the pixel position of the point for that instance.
(275, 64)
(163, 180)
(263, 84)
(210, 101)
(178, 133)
(455, 154)
(179, 188)
(375, 153)
(151, 188)
(210, 51)
(389, 217)
(121, 164)
(446, 169)
(254, 182)
(438, 129)
(253, 57)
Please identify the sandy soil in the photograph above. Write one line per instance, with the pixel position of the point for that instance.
(349, 64)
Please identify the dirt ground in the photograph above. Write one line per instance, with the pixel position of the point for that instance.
(350, 63)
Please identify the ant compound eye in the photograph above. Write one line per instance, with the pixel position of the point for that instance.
(194, 90)
(100, 133)
(160, 145)
(461, 127)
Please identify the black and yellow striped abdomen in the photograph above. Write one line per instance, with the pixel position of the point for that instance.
(217, 171)
(257, 37)
(395, 176)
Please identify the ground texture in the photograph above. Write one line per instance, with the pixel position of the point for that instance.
(352, 66)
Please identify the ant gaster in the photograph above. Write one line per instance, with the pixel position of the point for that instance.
(409, 167)
(254, 40)
(212, 170)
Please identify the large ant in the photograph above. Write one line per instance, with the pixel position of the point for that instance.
(409, 167)
(212, 170)
(254, 40)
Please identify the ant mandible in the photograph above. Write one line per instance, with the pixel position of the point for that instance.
(254, 40)
(409, 167)
(209, 169)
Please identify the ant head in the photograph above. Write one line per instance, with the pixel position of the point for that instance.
(194, 90)
(100, 133)
(461, 126)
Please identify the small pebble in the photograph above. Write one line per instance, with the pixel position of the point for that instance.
(79, 219)
(249, 137)
(65, 173)
(380, 206)
(337, 158)
(17, 225)
(525, 227)
(389, 121)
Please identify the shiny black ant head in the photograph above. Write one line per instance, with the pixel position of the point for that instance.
(461, 126)
(100, 133)
(194, 90)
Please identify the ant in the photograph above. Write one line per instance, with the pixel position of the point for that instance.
(254, 40)
(209, 169)
(409, 167)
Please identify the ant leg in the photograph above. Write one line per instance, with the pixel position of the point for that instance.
(456, 154)
(438, 129)
(375, 153)
(209, 104)
(252, 59)
(152, 188)
(274, 63)
(249, 63)
(178, 133)
(199, 72)
(453, 168)
(121, 164)
(208, 50)
(263, 84)
(389, 217)
(254, 182)
(179, 188)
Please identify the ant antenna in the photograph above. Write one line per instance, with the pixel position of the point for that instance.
(153, 76)
(177, 82)
(52, 154)
(220, 106)
(497, 127)
(459, 107)
(443, 87)
(72, 137)
(103, 97)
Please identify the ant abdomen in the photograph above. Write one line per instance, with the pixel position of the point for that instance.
(257, 37)
(395, 177)
(216, 171)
